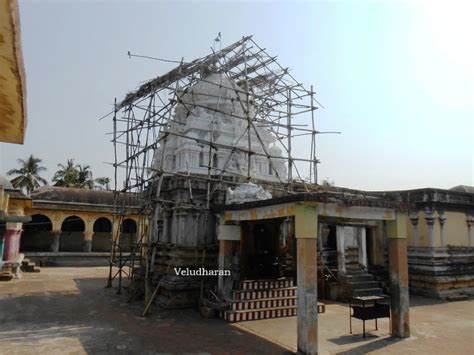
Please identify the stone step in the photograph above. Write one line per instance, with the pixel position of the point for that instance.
(359, 277)
(25, 261)
(363, 285)
(29, 267)
(265, 313)
(263, 303)
(367, 292)
(239, 295)
(265, 284)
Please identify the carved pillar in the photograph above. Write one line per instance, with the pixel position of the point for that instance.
(442, 220)
(430, 220)
(414, 223)
(470, 229)
(165, 235)
(361, 236)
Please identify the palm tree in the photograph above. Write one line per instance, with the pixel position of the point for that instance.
(67, 175)
(28, 175)
(84, 177)
(103, 183)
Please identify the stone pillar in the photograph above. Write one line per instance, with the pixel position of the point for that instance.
(398, 262)
(341, 251)
(306, 231)
(227, 236)
(87, 246)
(442, 220)
(165, 235)
(430, 220)
(414, 223)
(361, 236)
(56, 240)
(470, 229)
(11, 246)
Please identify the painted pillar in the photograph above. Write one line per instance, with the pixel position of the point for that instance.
(414, 223)
(306, 231)
(361, 236)
(398, 267)
(341, 250)
(11, 242)
(55, 242)
(87, 246)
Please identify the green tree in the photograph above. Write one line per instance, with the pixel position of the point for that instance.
(103, 183)
(28, 175)
(84, 177)
(67, 175)
(78, 176)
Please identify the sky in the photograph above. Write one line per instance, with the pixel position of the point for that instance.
(395, 77)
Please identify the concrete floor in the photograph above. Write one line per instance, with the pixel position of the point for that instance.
(68, 311)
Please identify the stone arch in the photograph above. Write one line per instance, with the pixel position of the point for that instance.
(72, 234)
(102, 236)
(37, 235)
(128, 233)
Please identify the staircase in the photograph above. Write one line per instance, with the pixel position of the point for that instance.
(357, 281)
(262, 299)
(29, 266)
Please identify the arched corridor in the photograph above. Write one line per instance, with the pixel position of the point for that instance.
(102, 237)
(72, 234)
(37, 235)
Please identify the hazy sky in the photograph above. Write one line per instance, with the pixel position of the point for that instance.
(395, 77)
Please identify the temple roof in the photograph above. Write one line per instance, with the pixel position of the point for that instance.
(57, 194)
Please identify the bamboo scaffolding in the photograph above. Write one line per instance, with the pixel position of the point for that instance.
(268, 99)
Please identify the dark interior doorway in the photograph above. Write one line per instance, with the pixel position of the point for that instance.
(261, 250)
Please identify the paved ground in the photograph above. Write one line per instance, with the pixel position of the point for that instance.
(436, 328)
(68, 311)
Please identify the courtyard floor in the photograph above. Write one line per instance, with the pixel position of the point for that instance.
(68, 311)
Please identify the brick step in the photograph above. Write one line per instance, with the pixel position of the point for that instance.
(239, 295)
(263, 303)
(265, 313)
(265, 284)
(367, 292)
(6, 276)
(363, 285)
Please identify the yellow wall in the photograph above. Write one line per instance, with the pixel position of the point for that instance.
(455, 230)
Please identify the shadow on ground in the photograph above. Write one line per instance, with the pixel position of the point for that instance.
(97, 320)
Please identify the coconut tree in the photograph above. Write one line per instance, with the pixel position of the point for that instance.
(67, 175)
(28, 175)
(84, 177)
(103, 183)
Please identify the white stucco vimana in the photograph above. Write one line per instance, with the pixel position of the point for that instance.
(212, 110)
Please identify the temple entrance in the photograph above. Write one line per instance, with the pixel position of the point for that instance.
(264, 249)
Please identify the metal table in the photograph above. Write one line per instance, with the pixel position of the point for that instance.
(369, 307)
